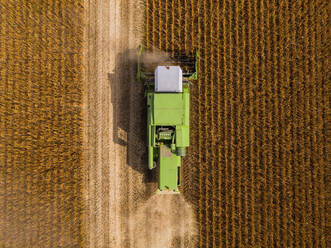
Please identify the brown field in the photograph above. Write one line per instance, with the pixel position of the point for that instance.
(73, 164)
(256, 167)
(41, 79)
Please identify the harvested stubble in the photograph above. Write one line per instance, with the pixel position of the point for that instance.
(40, 123)
(256, 167)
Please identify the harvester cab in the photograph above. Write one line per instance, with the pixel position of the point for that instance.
(168, 111)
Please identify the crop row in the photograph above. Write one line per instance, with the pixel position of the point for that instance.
(255, 170)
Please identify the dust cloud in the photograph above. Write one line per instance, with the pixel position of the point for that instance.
(164, 221)
(150, 58)
(155, 57)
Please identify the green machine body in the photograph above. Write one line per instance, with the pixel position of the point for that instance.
(167, 92)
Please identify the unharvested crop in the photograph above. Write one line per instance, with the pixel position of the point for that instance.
(40, 123)
(256, 166)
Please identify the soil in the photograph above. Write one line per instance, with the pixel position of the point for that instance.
(123, 209)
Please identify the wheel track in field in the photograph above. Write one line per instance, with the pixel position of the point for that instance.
(122, 208)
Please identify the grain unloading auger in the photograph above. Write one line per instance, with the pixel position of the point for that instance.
(168, 111)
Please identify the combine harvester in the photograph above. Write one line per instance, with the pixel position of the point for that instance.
(168, 111)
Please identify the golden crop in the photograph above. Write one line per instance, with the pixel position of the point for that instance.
(40, 123)
(256, 166)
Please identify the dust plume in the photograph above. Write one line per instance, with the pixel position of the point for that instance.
(150, 58)
(164, 221)
(155, 57)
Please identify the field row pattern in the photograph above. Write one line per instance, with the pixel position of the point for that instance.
(40, 123)
(256, 166)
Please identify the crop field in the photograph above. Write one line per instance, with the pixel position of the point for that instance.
(40, 123)
(73, 157)
(256, 166)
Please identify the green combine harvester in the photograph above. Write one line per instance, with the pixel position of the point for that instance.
(168, 111)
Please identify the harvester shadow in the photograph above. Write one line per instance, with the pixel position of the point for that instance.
(130, 133)
(129, 113)
(130, 120)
